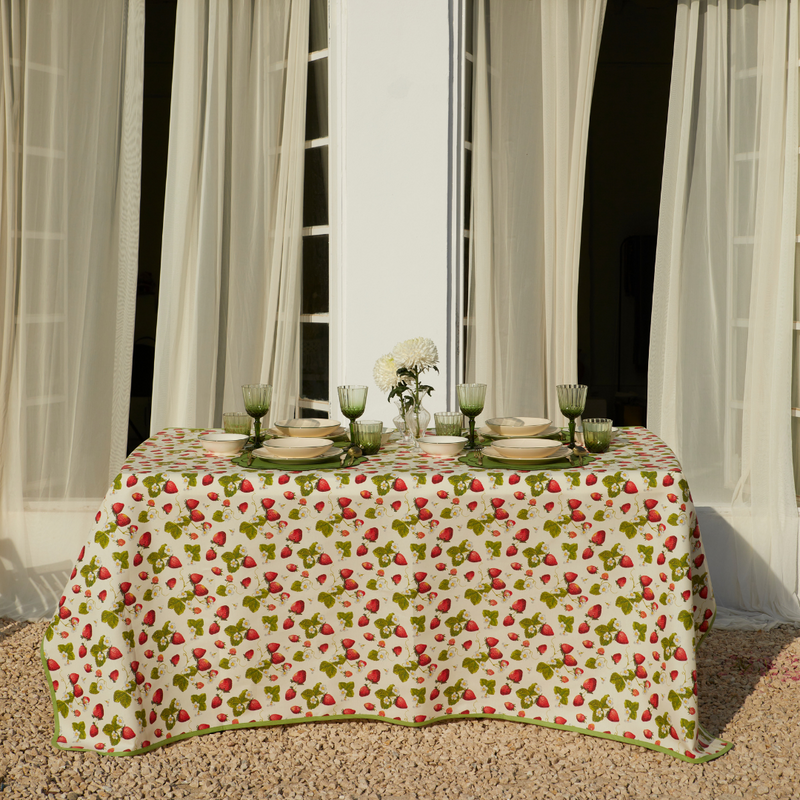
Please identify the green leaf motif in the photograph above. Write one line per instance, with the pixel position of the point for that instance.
(328, 668)
(571, 550)
(563, 694)
(545, 669)
(686, 618)
(632, 708)
(567, 622)
(641, 630)
(471, 665)
(491, 617)
(617, 681)
(109, 618)
(347, 688)
(553, 528)
(249, 530)
(549, 599)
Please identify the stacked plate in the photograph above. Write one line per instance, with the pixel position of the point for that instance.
(517, 427)
(298, 450)
(309, 428)
(526, 451)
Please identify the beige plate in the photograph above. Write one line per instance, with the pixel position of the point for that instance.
(261, 452)
(488, 433)
(562, 452)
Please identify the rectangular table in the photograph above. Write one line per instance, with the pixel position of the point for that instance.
(409, 588)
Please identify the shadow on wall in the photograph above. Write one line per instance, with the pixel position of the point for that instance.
(33, 590)
(723, 547)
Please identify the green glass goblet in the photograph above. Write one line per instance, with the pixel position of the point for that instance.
(571, 401)
(471, 399)
(257, 399)
(353, 401)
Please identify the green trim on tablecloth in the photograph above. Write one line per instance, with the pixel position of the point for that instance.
(348, 718)
(328, 465)
(474, 460)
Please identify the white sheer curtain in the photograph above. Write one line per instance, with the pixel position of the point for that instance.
(229, 298)
(534, 74)
(70, 154)
(720, 382)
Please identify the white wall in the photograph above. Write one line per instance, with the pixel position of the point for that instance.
(391, 138)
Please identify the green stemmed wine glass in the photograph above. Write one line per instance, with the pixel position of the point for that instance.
(471, 398)
(571, 401)
(257, 399)
(353, 401)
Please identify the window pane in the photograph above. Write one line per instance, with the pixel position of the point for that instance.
(317, 99)
(467, 189)
(314, 375)
(466, 275)
(469, 26)
(315, 187)
(313, 413)
(315, 275)
(318, 26)
(468, 71)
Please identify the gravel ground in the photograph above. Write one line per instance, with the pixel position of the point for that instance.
(749, 693)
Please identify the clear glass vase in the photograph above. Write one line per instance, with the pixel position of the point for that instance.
(417, 419)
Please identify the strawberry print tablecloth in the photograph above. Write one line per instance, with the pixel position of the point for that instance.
(411, 589)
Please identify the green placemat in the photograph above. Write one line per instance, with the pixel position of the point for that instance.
(474, 460)
(329, 464)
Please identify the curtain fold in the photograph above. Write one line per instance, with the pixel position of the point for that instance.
(534, 74)
(229, 298)
(721, 352)
(70, 156)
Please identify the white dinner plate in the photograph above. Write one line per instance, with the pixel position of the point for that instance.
(488, 433)
(561, 453)
(326, 456)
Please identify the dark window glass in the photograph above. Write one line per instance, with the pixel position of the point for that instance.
(313, 413)
(469, 27)
(466, 276)
(315, 187)
(468, 72)
(315, 275)
(467, 189)
(317, 99)
(318, 26)
(314, 380)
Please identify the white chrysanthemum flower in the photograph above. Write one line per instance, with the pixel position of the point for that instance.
(417, 354)
(385, 373)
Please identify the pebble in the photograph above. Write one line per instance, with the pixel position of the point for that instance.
(749, 688)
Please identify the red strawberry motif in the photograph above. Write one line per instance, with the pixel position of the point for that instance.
(170, 487)
(590, 684)
(103, 574)
(323, 485)
(400, 485)
(599, 537)
(671, 542)
(680, 654)
(553, 486)
(595, 611)
(114, 653)
(626, 561)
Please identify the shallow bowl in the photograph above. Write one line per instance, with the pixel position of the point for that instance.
(296, 447)
(442, 445)
(526, 448)
(518, 426)
(227, 444)
(307, 428)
